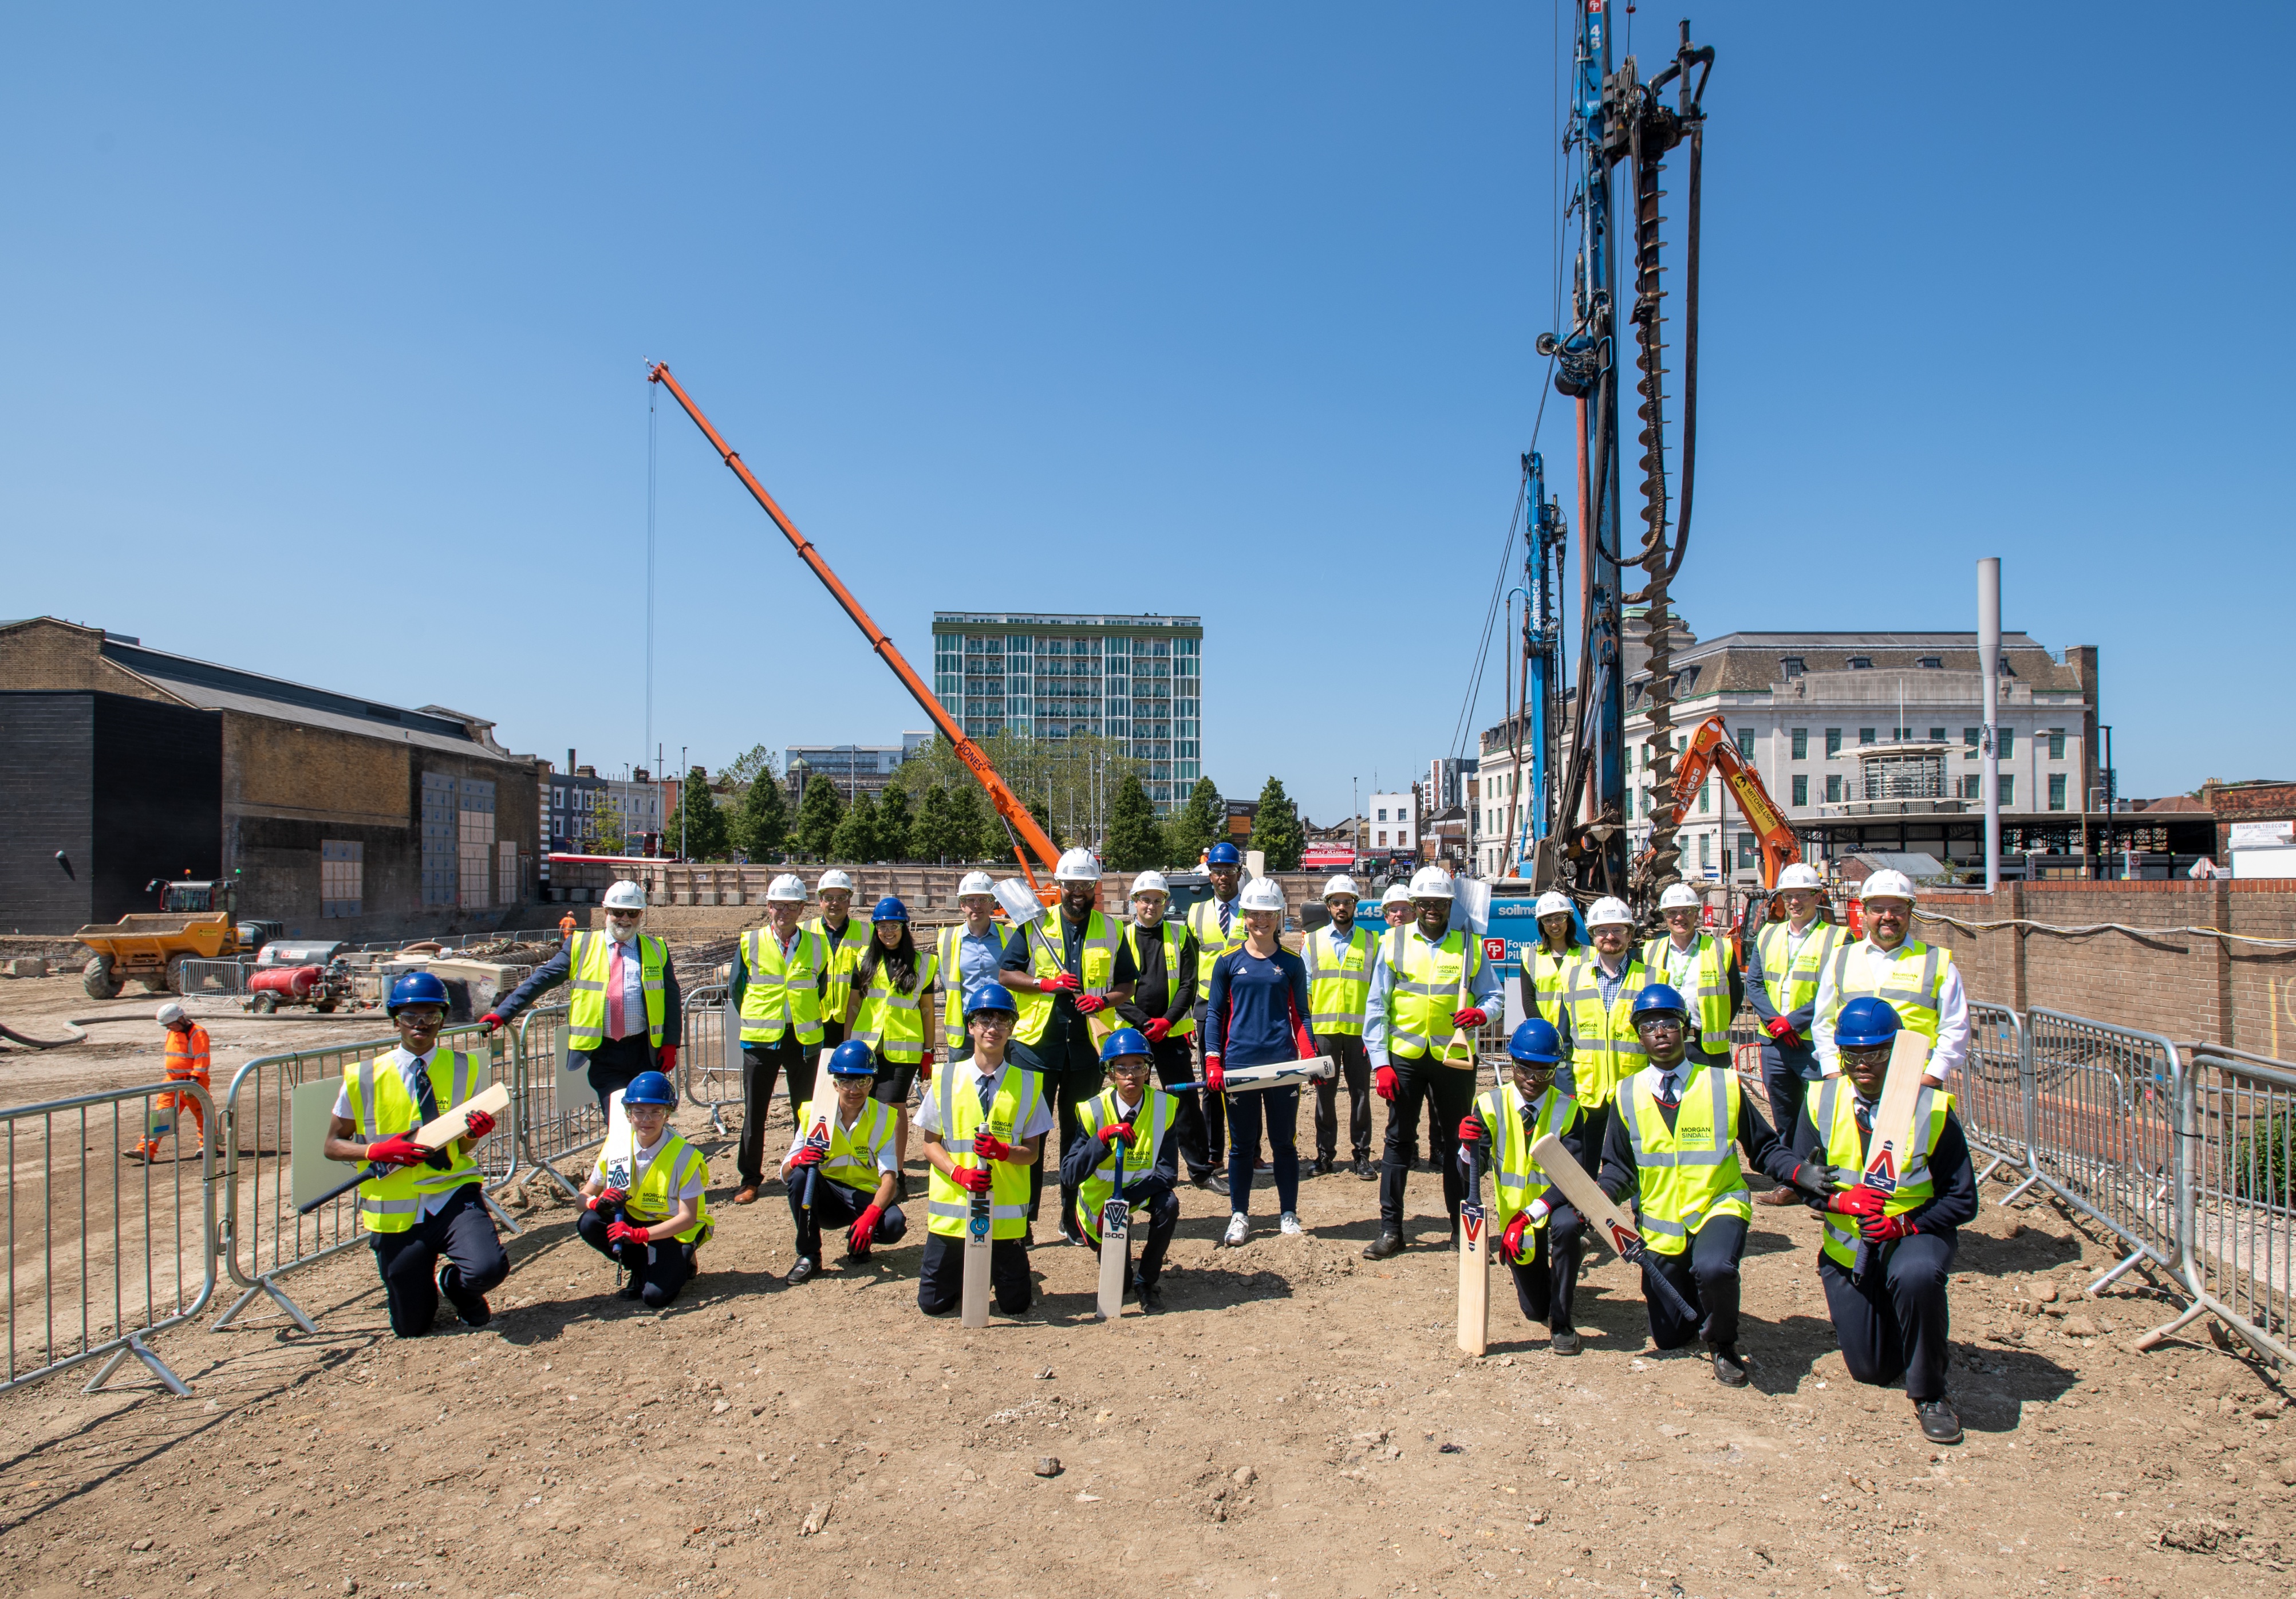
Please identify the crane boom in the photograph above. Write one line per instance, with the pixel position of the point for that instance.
(1709, 748)
(1017, 819)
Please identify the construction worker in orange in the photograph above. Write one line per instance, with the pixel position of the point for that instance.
(187, 1062)
(566, 925)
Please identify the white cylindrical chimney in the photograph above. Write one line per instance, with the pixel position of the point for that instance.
(1988, 655)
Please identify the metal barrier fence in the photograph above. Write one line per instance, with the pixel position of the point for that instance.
(220, 978)
(709, 1063)
(1989, 1091)
(551, 1099)
(102, 1239)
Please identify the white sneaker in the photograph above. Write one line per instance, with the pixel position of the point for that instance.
(1289, 1225)
(1238, 1228)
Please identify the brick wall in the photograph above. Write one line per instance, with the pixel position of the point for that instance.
(60, 657)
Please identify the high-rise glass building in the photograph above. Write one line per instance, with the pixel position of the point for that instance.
(1136, 679)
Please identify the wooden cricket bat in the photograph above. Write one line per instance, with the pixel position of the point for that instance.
(1276, 1074)
(973, 1311)
(1892, 1142)
(621, 1152)
(435, 1134)
(1474, 1260)
(1116, 1239)
(1602, 1213)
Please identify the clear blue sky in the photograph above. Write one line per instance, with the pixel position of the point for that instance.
(326, 332)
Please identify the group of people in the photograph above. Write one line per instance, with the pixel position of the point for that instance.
(1117, 1035)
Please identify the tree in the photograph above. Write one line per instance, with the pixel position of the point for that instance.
(1196, 825)
(818, 816)
(929, 837)
(747, 767)
(759, 825)
(856, 838)
(1275, 832)
(972, 829)
(1135, 842)
(895, 828)
(699, 823)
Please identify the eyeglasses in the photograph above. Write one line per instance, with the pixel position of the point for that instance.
(1664, 1021)
(420, 1015)
(994, 1019)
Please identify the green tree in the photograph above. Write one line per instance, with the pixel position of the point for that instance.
(1196, 825)
(699, 823)
(1135, 842)
(929, 836)
(895, 826)
(856, 838)
(759, 826)
(973, 829)
(1275, 832)
(748, 766)
(817, 815)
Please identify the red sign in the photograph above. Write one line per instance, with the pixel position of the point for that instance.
(1494, 950)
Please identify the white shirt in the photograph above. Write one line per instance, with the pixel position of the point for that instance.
(1953, 1013)
(411, 1068)
(929, 1112)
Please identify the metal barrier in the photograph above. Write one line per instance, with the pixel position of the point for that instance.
(1989, 1090)
(222, 978)
(557, 1112)
(263, 1238)
(143, 1247)
(709, 1060)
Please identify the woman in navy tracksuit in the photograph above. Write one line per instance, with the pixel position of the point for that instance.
(1256, 1012)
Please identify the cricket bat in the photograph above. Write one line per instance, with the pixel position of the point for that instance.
(1891, 1141)
(621, 1153)
(435, 1134)
(973, 1311)
(1587, 1198)
(1276, 1074)
(1116, 1238)
(819, 1139)
(1474, 1260)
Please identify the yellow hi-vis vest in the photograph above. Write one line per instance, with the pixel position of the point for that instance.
(1688, 1173)
(1338, 979)
(1149, 1126)
(1605, 1050)
(1096, 955)
(853, 1152)
(1709, 991)
(891, 1023)
(1911, 982)
(1542, 981)
(1791, 980)
(845, 950)
(1517, 1179)
(1018, 1094)
(782, 995)
(1431, 981)
(1203, 920)
(590, 965)
(1175, 939)
(652, 1192)
(1836, 1111)
(948, 950)
(382, 1108)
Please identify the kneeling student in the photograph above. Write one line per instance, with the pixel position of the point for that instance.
(1541, 1238)
(983, 1124)
(840, 1169)
(655, 1228)
(1136, 1115)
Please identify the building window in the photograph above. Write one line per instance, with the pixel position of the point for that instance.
(2008, 743)
(1832, 743)
(506, 873)
(1937, 735)
(1704, 789)
(1382, 835)
(2008, 790)
(1800, 790)
(1973, 742)
(1834, 788)
(1972, 787)
(476, 838)
(342, 869)
(439, 839)
(1861, 663)
(1745, 851)
(1898, 736)
(1801, 743)
(2056, 790)
(1865, 736)
(1793, 666)
(1931, 662)
(1705, 850)
(2057, 746)
(1746, 743)
(1382, 817)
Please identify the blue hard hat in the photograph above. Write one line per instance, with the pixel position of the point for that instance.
(1536, 1043)
(1223, 855)
(1659, 996)
(649, 1088)
(1864, 1022)
(1124, 1041)
(853, 1058)
(889, 909)
(417, 988)
(990, 996)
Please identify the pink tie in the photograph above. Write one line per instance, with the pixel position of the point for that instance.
(614, 1028)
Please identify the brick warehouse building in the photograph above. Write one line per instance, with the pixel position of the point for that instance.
(339, 815)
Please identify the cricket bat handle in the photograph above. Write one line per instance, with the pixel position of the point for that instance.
(1652, 1276)
(364, 1174)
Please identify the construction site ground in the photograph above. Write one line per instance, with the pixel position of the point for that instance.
(1296, 1422)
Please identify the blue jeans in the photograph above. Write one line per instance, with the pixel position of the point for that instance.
(1280, 1109)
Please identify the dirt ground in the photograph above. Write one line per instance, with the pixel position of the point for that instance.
(1296, 1422)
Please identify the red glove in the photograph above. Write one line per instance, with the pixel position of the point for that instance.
(865, 1228)
(1156, 1029)
(1470, 1129)
(479, 1123)
(807, 1154)
(1882, 1229)
(1860, 1200)
(1472, 1017)
(492, 1022)
(973, 1179)
(1382, 1082)
(988, 1146)
(1121, 1131)
(621, 1231)
(1061, 982)
(1086, 1004)
(1214, 1077)
(1303, 1041)
(1511, 1249)
(607, 1198)
(665, 1060)
(924, 1068)
(397, 1150)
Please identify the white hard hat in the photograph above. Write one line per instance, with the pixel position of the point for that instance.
(1341, 884)
(625, 896)
(1430, 882)
(1888, 885)
(834, 878)
(1077, 866)
(1262, 894)
(1396, 894)
(1610, 912)
(1555, 902)
(976, 882)
(1681, 896)
(787, 889)
(169, 1012)
(1150, 883)
(1800, 875)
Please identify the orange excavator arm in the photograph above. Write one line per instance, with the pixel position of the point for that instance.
(1711, 748)
(1008, 806)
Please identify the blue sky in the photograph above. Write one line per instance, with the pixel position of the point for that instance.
(326, 332)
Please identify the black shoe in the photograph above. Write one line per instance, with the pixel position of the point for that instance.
(1729, 1365)
(1214, 1181)
(1364, 1169)
(1565, 1343)
(472, 1308)
(803, 1269)
(1383, 1246)
(628, 1291)
(1150, 1296)
(1940, 1423)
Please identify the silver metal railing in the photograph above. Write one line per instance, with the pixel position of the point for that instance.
(197, 979)
(1989, 1091)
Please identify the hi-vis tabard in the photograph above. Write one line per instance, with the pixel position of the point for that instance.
(1688, 1173)
(1707, 990)
(1149, 1124)
(1175, 939)
(1096, 955)
(1338, 979)
(652, 1192)
(846, 947)
(1543, 975)
(590, 963)
(1836, 1111)
(1432, 982)
(853, 1152)
(1791, 979)
(1018, 1094)
(948, 960)
(382, 1108)
(1605, 1050)
(1518, 1179)
(1203, 920)
(1911, 981)
(892, 1022)
(782, 994)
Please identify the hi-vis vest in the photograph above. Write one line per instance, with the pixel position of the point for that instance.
(1605, 1050)
(1836, 1111)
(1018, 1094)
(1175, 939)
(1518, 1179)
(1708, 990)
(592, 963)
(1149, 1124)
(891, 1023)
(652, 1192)
(382, 1108)
(1791, 980)
(1338, 979)
(1542, 981)
(187, 1055)
(845, 951)
(1431, 981)
(853, 1152)
(1097, 954)
(948, 951)
(1687, 1175)
(779, 994)
(1911, 982)
(1203, 920)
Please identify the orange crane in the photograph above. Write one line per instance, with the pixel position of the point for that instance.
(1018, 822)
(1709, 748)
